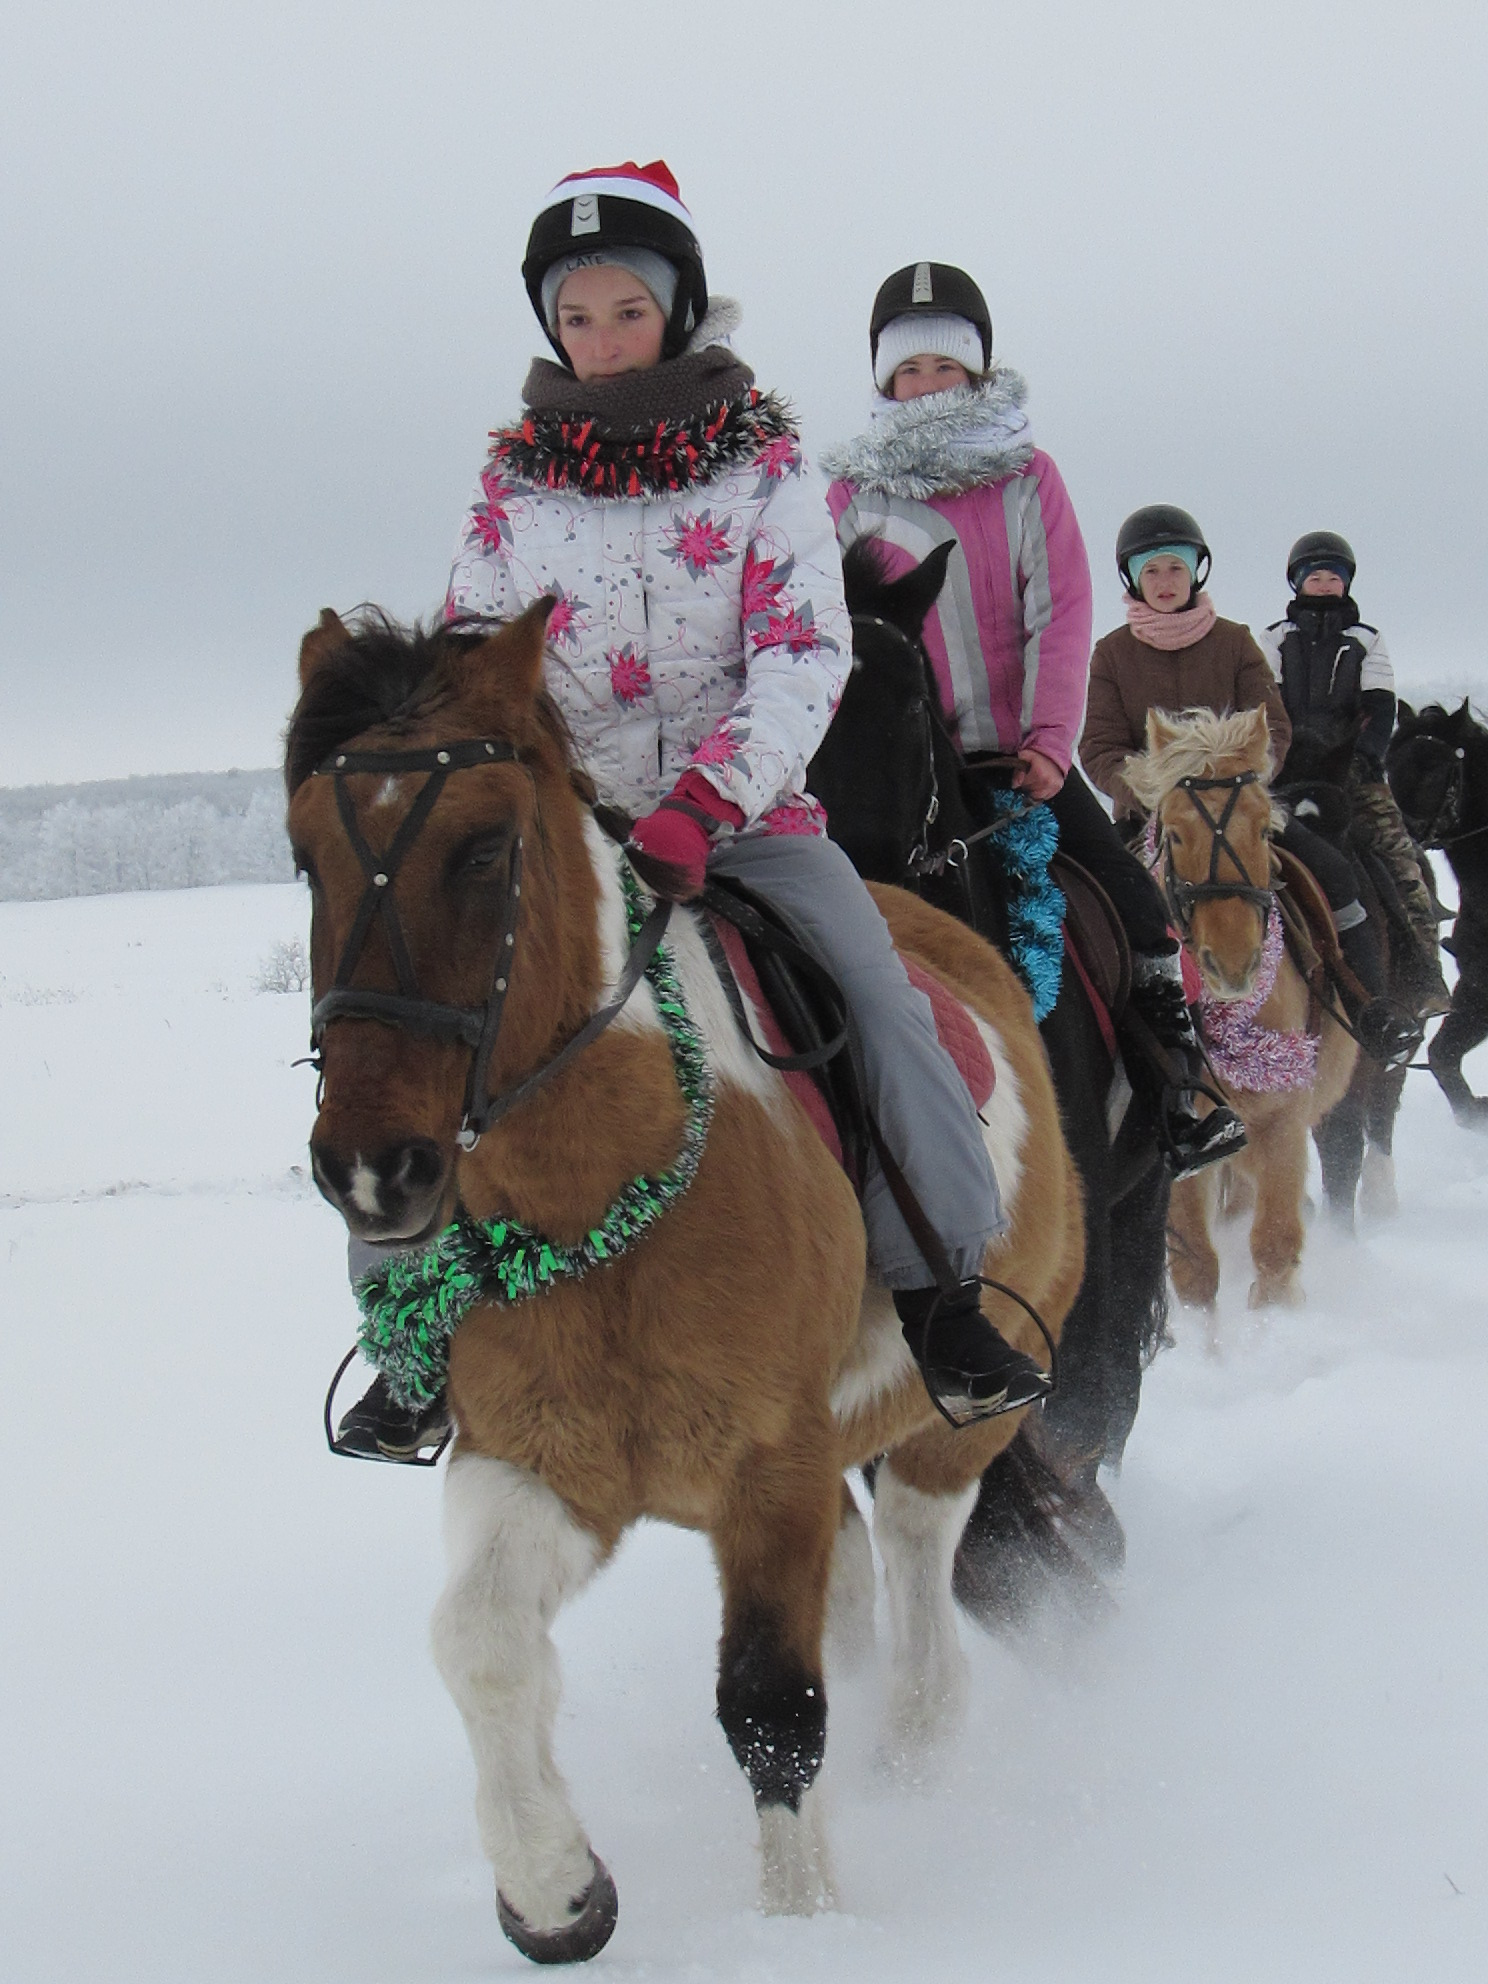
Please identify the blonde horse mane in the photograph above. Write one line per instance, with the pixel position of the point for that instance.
(1198, 743)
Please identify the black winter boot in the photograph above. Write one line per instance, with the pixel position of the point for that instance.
(1190, 1141)
(1386, 1034)
(378, 1428)
(970, 1371)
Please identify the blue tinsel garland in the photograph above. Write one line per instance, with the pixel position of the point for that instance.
(1021, 850)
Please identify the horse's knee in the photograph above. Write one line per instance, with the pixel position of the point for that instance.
(514, 1554)
(773, 1709)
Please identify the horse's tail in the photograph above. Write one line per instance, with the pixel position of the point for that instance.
(1034, 1535)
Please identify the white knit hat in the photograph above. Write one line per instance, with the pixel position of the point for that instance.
(907, 336)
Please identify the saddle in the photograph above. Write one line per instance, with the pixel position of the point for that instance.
(777, 984)
(1095, 943)
(1310, 934)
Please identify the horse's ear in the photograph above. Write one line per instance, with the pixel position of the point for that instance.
(324, 638)
(514, 652)
(1462, 724)
(1403, 712)
(1257, 739)
(1160, 732)
(907, 600)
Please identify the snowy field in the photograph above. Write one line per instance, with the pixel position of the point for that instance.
(226, 1755)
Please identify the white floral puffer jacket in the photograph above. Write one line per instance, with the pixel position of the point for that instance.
(704, 627)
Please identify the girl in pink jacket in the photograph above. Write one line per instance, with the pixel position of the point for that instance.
(949, 457)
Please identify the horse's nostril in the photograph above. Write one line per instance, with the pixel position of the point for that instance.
(420, 1167)
(332, 1174)
(1208, 962)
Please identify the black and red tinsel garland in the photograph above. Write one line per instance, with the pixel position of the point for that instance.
(563, 451)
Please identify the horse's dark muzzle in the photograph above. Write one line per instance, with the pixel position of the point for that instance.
(392, 1194)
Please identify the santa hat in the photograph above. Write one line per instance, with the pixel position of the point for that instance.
(620, 207)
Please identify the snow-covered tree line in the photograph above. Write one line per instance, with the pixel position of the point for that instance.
(184, 832)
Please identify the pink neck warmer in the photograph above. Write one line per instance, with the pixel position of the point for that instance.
(1171, 630)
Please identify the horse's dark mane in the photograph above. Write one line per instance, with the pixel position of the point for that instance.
(387, 675)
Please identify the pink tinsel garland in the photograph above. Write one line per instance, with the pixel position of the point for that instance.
(1247, 1055)
(1260, 1059)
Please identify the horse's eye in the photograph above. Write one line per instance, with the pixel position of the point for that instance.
(481, 857)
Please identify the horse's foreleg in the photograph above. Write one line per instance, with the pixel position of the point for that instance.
(850, 1591)
(1192, 1261)
(774, 1547)
(1464, 1028)
(1278, 1162)
(515, 1553)
(917, 1534)
(1340, 1143)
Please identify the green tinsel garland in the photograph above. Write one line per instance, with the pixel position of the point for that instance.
(412, 1303)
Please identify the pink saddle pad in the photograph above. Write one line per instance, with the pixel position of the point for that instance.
(957, 1030)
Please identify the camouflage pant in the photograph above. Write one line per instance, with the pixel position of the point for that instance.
(1379, 827)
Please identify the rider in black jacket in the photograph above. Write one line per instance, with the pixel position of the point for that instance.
(1334, 670)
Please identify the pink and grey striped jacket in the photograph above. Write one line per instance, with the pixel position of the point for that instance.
(1009, 637)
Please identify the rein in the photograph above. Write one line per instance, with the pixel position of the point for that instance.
(1182, 897)
(476, 1027)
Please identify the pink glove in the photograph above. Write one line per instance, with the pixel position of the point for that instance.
(674, 835)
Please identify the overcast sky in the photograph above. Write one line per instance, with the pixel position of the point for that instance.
(261, 299)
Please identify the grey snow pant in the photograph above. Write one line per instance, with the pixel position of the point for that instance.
(910, 1081)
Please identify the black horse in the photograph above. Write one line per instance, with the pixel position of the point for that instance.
(890, 778)
(1355, 1139)
(1437, 765)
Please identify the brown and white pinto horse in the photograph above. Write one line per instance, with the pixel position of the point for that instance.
(1205, 777)
(724, 1372)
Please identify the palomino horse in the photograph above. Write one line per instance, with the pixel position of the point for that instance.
(719, 1365)
(1204, 778)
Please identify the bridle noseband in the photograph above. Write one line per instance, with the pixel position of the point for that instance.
(475, 1027)
(1182, 897)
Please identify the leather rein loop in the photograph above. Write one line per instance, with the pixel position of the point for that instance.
(475, 1027)
(1182, 897)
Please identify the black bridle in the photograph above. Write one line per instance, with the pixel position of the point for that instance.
(475, 1027)
(1183, 897)
(1441, 830)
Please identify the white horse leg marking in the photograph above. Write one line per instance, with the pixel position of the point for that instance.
(917, 1536)
(796, 1875)
(515, 1553)
(851, 1588)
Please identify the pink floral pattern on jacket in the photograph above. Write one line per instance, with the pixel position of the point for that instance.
(709, 630)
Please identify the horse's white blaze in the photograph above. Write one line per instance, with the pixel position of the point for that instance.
(364, 1188)
(795, 1865)
(917, 1536)
(879, 1359)
(515, 1553)
(1005, 1130)
(387, 792)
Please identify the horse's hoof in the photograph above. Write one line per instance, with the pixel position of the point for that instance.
(1284, 1293)
(596, 1912)
(1473, 1114)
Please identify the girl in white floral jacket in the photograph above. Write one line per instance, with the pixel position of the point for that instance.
(698, 650)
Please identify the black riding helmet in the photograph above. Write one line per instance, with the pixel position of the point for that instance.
(1150, 529)
(930, 289)
(620, 206)
(1320, 547)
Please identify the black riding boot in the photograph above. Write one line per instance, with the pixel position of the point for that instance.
(378, 1428)
(1386, 1034)
(970, 1371)
(1189, 1140)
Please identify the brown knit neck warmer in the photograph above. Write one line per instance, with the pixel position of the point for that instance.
(676, 390)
